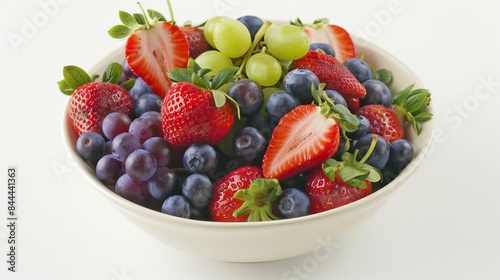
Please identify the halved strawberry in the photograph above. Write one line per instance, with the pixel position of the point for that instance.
(320, 31)
(152, 49)
(243, 195)
(333, 73)
(305, 137)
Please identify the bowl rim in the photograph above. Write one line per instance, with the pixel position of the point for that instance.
(142, 211)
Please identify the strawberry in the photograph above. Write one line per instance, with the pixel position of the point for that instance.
(306, 136)
(337, 37)
(333, 73)
(243, 195)
(152, 49)
(196, 40)
(383, 121)
(195, 111)
(337, 183)
(91, 101)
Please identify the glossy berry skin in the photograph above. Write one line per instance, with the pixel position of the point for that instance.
(261, 123)
(200, 158)
(92, 102)
(278, 104)
(359, 68)
(383, 121)
(132, 190)
(376, 93)
(248, 94)
(363, 128)
(176, 205)
(115, 123)
(324, 47)
(293, 203)
(163, 183)
(337, 97)
(147, 102)
(249, 143)
(108, 169)
(380, 154)
(160, 149)
(139, 89)
(223, 204)
(143, 129)
(189, 116)
(198, 189)
(298, 83)
(140, 165)
(401, 154)
(90, 146)
(252, 23)
(124, 144)
(333, 73)
(325, 194)
(196, 40)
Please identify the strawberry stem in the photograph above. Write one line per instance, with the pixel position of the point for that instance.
(171, 11)
(368, 153)
(258, 199)
(148, 25)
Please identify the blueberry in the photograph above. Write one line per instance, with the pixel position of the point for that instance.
(248, 94)
(147, 102)
(376, 93)
(293, 203)
(278, 105)
(363, 128)
(337, 97)
(298, 83)
(326, 48)
(90, 146)
(359, 68)
(249, 143)
(198, 189)
(261, 123)
(380, 154)
(252, 23)
(401, 154)
(140, 88)
(341, 149)
(200, 158)
(176, 205)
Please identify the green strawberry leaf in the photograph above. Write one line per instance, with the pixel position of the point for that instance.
(180, 75)
(128, 19)
(128, 84)
(345, 119)
(219, 97)
(139, 18)
(155, 15)
(65, 88)
(223, 77)
(384, 76)
(75, 76)
(411, 105)
(120, 31)
(258, 198)
(112, 73)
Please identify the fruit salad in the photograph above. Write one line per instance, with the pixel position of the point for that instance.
(243, 119)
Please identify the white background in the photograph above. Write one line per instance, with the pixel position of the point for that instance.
(444, 223)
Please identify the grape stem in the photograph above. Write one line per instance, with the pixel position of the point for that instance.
(256, 40)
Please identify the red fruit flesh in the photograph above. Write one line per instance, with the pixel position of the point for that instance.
(384, 121)
(333, 73)
(91, 102)
(153, 52)
(335, 36)
(189, 115)
(325, 194)
(223, 205)
(303, 139)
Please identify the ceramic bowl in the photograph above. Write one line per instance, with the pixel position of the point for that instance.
(264, 241)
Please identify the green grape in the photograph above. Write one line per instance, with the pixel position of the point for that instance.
(231, 37)
(287, 42)
(208, 29)
(214, 60)
(263, 69)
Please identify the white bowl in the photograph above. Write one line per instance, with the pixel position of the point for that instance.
(264, 241)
